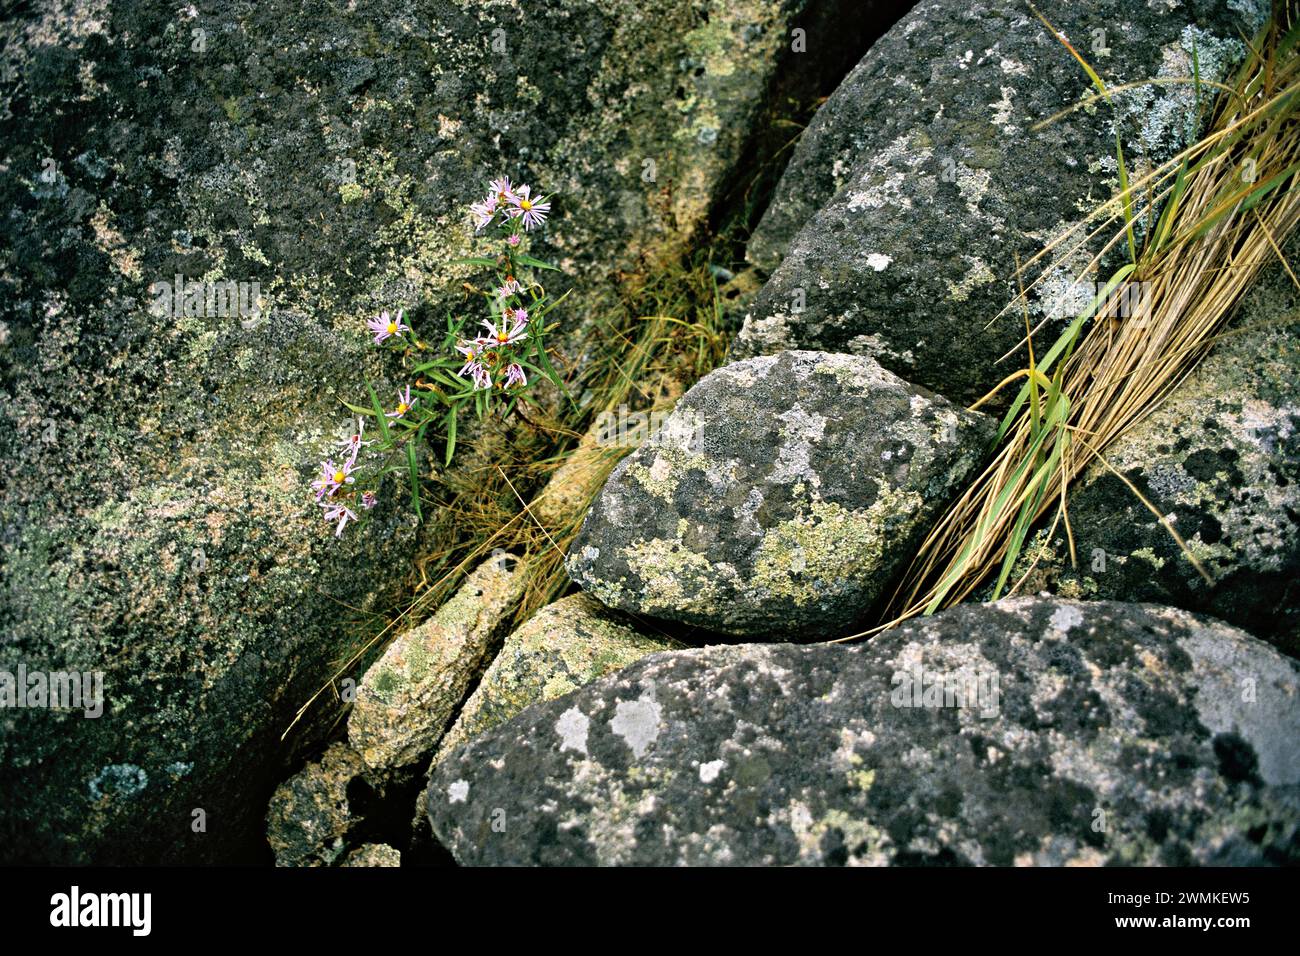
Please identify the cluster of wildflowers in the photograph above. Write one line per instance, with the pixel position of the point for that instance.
(489, 369)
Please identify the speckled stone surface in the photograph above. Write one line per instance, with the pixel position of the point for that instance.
(778, 498)
(407, 698)
(564, 646)
(310, 816)
(373, 854)
(909, 195)
(1062, 733)
(155, 522)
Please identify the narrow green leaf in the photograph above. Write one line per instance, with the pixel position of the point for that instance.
(379, 411)
(451, 433)
(1127, 198)
(415, 478)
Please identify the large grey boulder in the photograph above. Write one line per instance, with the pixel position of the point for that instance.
(155, 523)
(910, 194)
(779, 497)
(1220, 460)
(1032, 731)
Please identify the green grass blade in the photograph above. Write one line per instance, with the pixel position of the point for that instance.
(415, 478)
(378, 411)
(451, 433)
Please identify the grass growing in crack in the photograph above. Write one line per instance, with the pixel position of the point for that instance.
(1225, 206)
(525, 490)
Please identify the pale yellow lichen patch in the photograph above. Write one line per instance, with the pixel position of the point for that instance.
(673, 576)
(831, 545)
(977, 275)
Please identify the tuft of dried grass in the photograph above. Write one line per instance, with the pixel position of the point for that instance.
(1226, 205)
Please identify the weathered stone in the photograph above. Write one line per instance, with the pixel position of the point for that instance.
(373, 854)
(407, 699)
(1220, 459)
(921, 179)
(1073, 733)
(562, 647)
(309, 817)
(155, 523)
(778, 498)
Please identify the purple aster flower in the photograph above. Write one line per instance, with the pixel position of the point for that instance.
(340, 513)
(531, 212)
(333, 477)
(514, 239)
(515, 375)
(369, 499)
(404, 404)
(500, 335)
(500, 191)
(386, 327)
(471, 351)
(354, 442)
(483, 212)
(508, 288)
(472, 370)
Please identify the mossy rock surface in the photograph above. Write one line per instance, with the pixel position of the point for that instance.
(1063, 733)
(156, 520)
(407, 698)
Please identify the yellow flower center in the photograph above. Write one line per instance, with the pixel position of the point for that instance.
(392, 328)
(525, 205)
(402, 407)
(503, 337)
(339, 477)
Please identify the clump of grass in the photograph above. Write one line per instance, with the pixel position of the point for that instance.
(1216, 214)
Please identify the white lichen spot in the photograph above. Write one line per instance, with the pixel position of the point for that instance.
(1065, 617)
(879, 261)
(572, 728)
(637, 722)
(709, 771)
(458, 792)
(1002, 111)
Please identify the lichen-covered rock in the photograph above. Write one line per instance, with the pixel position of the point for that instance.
(778, 497)
(1220, 459)
(309, 816)
(1032, 731)
(373, 854)
(155, 524)
(562, 647)
(909, 196)
(407, 698)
